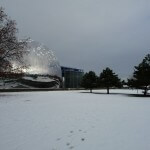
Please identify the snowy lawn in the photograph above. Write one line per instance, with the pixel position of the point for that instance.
(65, 120)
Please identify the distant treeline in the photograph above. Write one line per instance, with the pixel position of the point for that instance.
(107, 78)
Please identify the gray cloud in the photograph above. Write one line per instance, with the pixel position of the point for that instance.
(87, 34)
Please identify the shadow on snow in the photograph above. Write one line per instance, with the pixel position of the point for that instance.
(124, 94)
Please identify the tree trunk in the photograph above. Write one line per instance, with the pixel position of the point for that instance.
(90, 90)
(107, 90)
(145, 91)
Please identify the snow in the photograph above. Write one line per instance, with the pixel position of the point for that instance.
(12, 84)
(9, 84)
(39, 79)
(65, 120)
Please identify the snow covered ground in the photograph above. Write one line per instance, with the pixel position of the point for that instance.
(74, 120)
(39, 79)
(10, 84)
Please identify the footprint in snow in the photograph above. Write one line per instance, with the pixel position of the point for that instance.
(68, 144)
(27, 100)
(58, 139)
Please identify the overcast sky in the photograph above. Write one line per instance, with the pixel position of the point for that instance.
(87, 34)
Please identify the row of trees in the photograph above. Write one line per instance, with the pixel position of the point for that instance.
(108, 79)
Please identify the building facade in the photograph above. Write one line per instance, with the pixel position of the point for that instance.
(71, 77)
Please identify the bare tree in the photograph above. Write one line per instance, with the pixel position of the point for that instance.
(11, 48)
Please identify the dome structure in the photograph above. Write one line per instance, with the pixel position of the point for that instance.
(41, 60)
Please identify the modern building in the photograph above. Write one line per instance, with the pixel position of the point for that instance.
(71, 77)
(43, 69)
